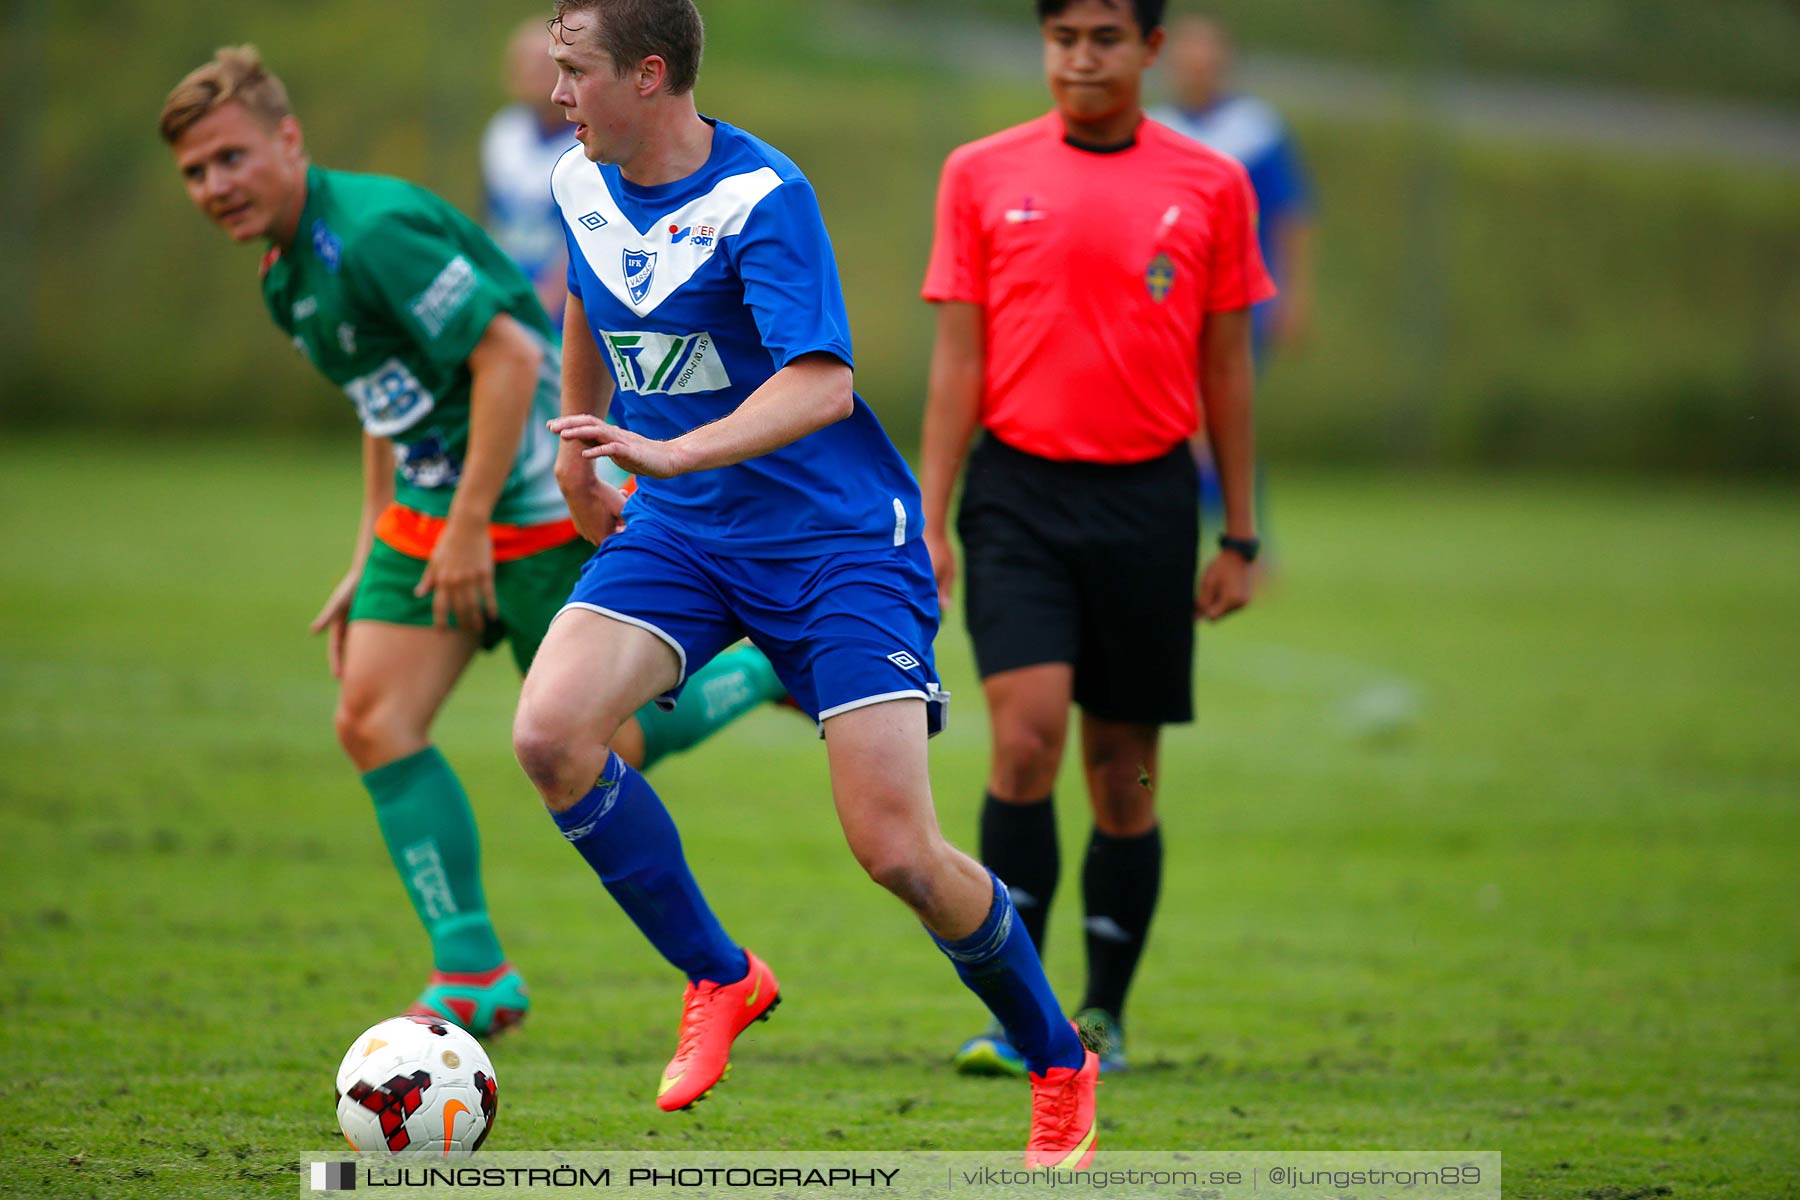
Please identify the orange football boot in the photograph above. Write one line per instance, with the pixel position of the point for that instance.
(712, 1015)
(1064, 1129)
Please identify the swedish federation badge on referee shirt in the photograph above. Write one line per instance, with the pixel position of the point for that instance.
(1159, 277)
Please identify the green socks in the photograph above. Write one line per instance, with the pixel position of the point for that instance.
(430, 831)
(730, 686)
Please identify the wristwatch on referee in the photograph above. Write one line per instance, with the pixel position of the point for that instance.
(1245, 548)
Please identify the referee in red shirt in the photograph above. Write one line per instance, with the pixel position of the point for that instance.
(1093, 273)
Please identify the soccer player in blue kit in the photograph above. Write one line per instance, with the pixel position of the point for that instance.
(716, 366)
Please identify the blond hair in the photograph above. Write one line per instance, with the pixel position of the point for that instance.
(235, 74)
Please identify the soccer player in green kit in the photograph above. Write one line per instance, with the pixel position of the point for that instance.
(465, 540)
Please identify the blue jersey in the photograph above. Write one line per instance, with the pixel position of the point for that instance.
(1250, 131)
(517, 155)
(697, 292)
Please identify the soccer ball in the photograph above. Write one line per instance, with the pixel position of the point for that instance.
(416, 1086)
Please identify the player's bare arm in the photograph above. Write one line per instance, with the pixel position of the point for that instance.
(952, 412)
(1293, 309)
(587, 391)
(1226, 384)
(459, 576)
(378, 493)
(813, 391)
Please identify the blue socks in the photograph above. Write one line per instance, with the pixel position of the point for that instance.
(627, 836)
(999, 964)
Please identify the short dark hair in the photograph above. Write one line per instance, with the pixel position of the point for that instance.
(1149, 13)
(633, 30)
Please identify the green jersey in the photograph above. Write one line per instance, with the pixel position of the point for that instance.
(387, 289)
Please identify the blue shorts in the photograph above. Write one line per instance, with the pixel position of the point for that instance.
(842, 630)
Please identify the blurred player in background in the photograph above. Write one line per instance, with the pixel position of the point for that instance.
(1093, 274)
(465, 540)
(1198, 62)
(709, 352)
(518, 149)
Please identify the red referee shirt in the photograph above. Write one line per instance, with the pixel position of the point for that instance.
(1095, 271)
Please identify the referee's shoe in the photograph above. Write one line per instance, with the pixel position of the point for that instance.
(990, 1053)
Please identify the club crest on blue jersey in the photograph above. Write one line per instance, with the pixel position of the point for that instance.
(639, 269)
(1159, 277)
(327, 246)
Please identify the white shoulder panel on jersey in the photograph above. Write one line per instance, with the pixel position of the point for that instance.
(644, 269)
(1243, 127)
(506, 148)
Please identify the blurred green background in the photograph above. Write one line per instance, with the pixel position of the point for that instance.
(1559, 235)
(1487, 831)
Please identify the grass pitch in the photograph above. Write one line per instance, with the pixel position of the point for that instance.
(1486, 838)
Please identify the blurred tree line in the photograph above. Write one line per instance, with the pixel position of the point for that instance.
(1481, 301)
(1728, 48)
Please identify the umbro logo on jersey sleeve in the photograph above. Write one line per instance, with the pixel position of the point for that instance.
(592, 220)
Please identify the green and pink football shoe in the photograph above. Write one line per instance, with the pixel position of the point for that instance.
(483, 1003)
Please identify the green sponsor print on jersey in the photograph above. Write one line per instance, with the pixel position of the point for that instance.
(651, 363)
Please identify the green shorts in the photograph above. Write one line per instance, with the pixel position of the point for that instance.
(531, 591)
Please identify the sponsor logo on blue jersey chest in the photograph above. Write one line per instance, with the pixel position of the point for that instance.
(650, 363)
(640, 268)
(699, 236)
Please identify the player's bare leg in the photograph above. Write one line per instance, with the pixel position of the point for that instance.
(1119, 758)
(882, 788)
(590, 675)
(395, 679)
(880, 783)
(1028, 715)
(1028, 721)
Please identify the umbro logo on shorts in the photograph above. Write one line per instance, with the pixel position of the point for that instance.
(903, 660)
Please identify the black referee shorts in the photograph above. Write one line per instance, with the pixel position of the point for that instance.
(1089, 564)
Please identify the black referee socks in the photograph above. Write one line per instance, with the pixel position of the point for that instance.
(1119, 882)
(1018, 843)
